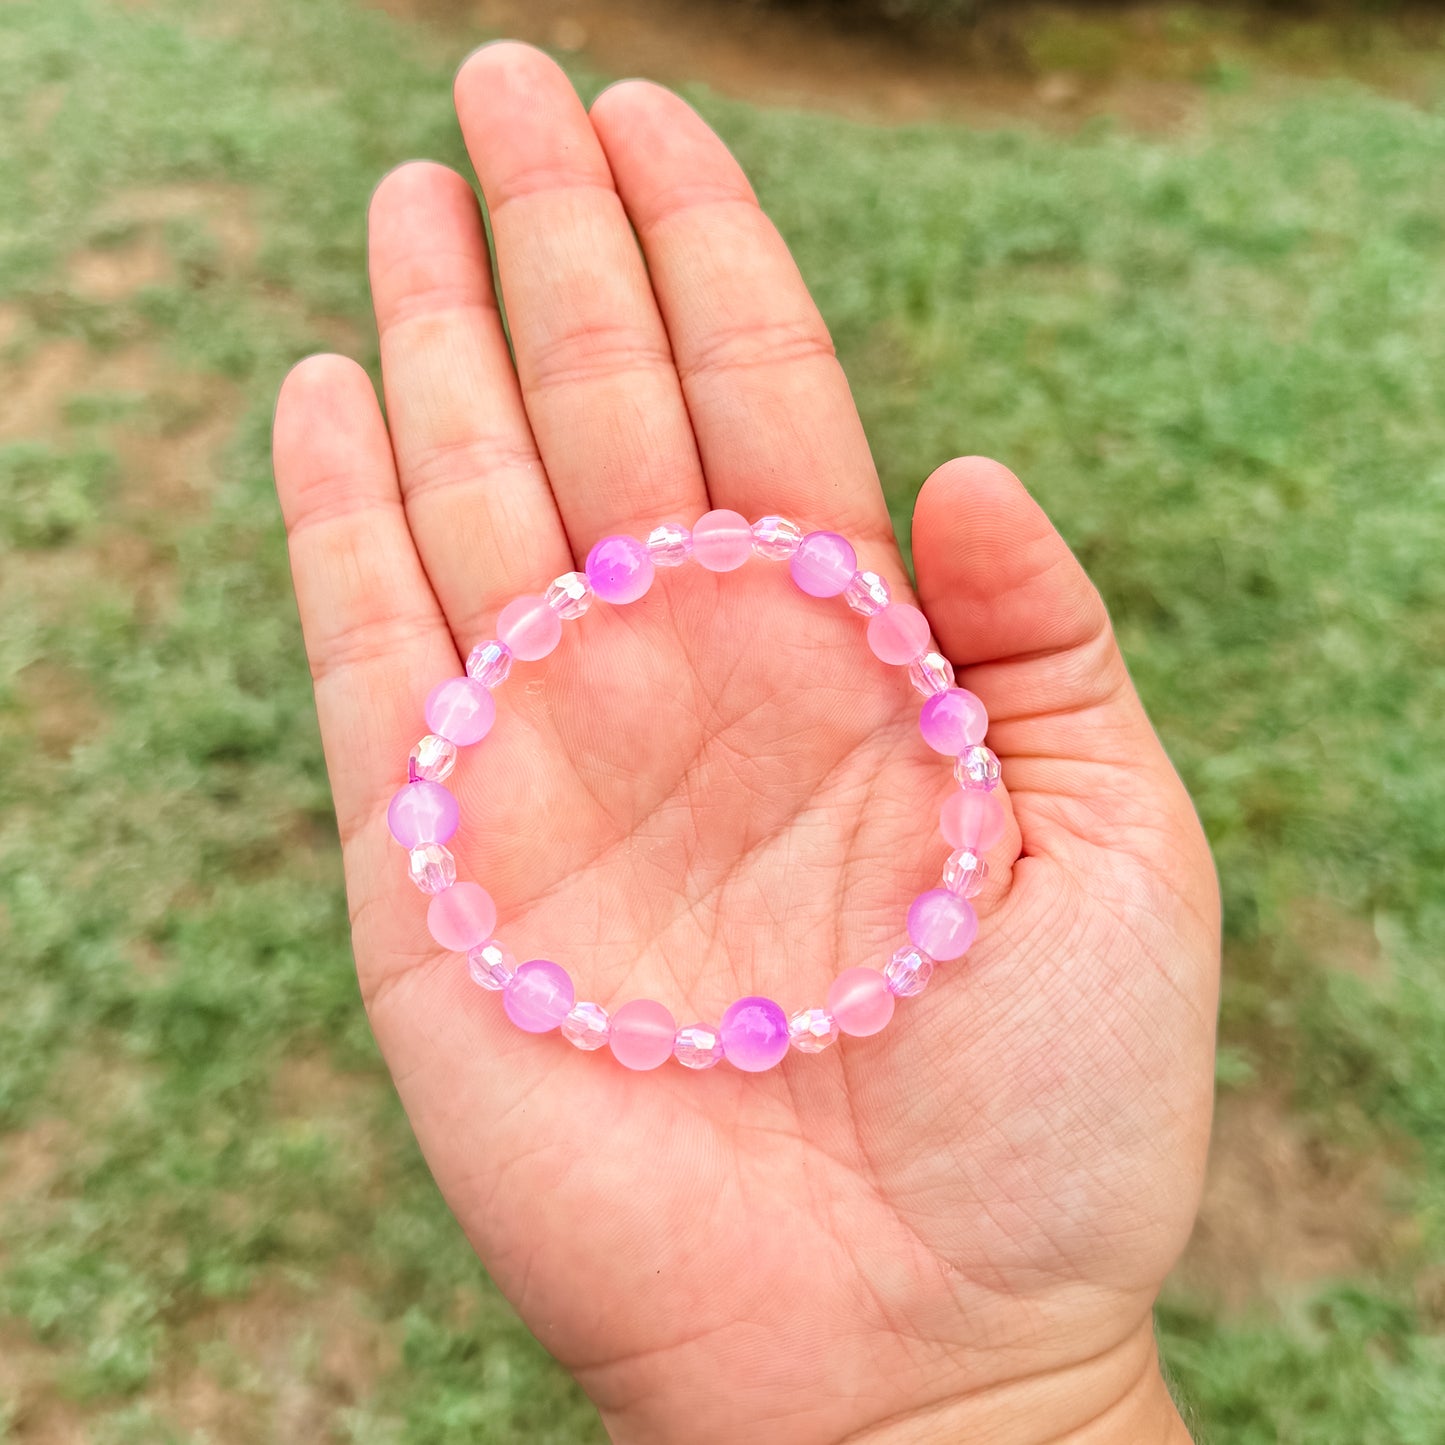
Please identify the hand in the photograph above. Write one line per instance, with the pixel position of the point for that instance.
(954, 1230)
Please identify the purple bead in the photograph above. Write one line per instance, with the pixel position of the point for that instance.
(462, 917)
(942, 924)
(422, 812)
(722, 540)
(538, 996)
(461, 710)
(619, 569)
(824, 564)
(529, 628)
(899, 634)
(952, 721)
(972, 820)
(754, 1034)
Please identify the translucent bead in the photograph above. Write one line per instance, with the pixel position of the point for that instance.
(942, 924)
(811, 1030)
(490, 965)
(972, 820)
(722, 540)
(899, 634)
(422, 812)
(977, 767)
(432, 867)
(952, 722)
(461, 710)
(587, 1026)
(669, 545)
(529, 627)
(867, 594)
(859, 999)
(620, 569)
(697, 1047)
(907, 972)
(824, 564)
(643, 1033)
(776, 538)
(433, 759)
(931, 673)
(490, 662)
(570, 596)
(965, 873)
(754, 1034)
(462, 917)
(538, 996)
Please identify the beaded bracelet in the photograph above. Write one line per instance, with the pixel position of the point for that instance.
(754, 1033)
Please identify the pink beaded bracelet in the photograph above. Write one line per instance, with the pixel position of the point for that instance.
(754, 1033)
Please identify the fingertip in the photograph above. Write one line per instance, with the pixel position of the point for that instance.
(504, 61)
(412, 179)
(316, 381)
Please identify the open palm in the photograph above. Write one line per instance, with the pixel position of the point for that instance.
(953, 1230)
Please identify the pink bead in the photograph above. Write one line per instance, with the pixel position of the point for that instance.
(462, 917)
(538, 996)
(754, 1034)
(529, 628)
(952, 721)
(422, 812)
(619, 569)
(942, 924)
(721, 540)
(642, 1034)
(860, 1001)
(899, 634)
(461, 710)
(972, 820)
(824, 564)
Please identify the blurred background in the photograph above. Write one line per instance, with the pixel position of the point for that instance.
(1182, 266)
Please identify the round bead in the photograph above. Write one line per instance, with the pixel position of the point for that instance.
(422, 812)
(432, 867)
(776, 538)
(824, 564)
(490, 965)
(490, 662)
(977, 767)
(812, 1030)
(965, 873)
(461, 710)
(433, 758)
(754, 1034)
(697, 1047)
(899, 634)
(529, 627)
(669, 545)
(952, 721)
(538, 996)
(722, 540)
(587, 1026)
(859, 999)
(619, 569)
(931, 673)
(867, 594)
(642, 1034)
(570, 596)
(972, 820)
(942, 924)
(462, 917)
(907, 972)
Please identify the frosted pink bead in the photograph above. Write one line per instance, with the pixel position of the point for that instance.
(642, 1034)
(942, 924)
(619, 569)
(899, 634)
(721, 540)
(952, 721)
(422, 812)
(824, 564)
(972, 820)
(860, 1001)
(754, 1033)
(462, 917)
(461, 710)
(539, 996)
(529, 628)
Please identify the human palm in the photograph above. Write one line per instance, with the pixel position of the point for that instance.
(952, 1230)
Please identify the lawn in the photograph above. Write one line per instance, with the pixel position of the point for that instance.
(1218, 357)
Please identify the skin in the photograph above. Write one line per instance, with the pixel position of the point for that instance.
(954, 1230)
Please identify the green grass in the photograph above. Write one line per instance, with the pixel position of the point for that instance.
(1219, 360)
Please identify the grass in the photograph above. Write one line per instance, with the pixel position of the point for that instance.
(1219, 359)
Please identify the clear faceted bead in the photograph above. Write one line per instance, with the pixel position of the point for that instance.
(432, 867)
(698, 1047)
(931, 673)
(908, 971)
(812, 1030)
(433, 758)
(570, 595)
(491, 966)
(490, 662)
(965, 873)
(776, 538)
(977, 767)
(867, 594)
(587, 1026)
(669, 545)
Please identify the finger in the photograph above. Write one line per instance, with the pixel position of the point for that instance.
(475, 491)
(592, 355)
(774, 418)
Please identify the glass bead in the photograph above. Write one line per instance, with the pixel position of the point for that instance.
(776, 538)
(461, 710)
(462, 917)
(538, 996)
(952, 722)
(965, 873)
(669, 545)
(754, 1034)
(899, 634)
(433, 759)
(942, 924)
(529, 627)
(931, 673)
(643, 1033)
(907, 972)
(722, 540)
(859, 999)
(620, 569)
(422, 812)
(587, 1026)
(490, 662)
(432, 867)
(811, 1030)
(570, 596)
(697, 1047)
(867, 594)
(977, 768)
(972, 820)
(824, 564)
(490, 965)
